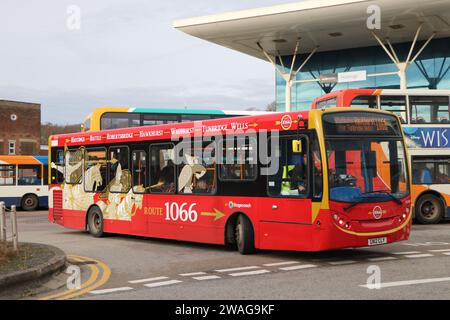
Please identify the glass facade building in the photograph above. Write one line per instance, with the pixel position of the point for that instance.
(430, 70)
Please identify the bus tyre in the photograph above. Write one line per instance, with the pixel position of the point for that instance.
(95, 222)
(429, 209)
(245, 238)
(30, 202)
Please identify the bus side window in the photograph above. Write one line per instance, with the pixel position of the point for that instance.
(197, 171)
(29, 175)
(57, 167)
(239, 159)
(139, 171)
(95, 170)
(162, 168)
(364, 102)
(119, 170)
(317, 169)
(394, 104)
(7, 175)
(292, 177)
(425, 109)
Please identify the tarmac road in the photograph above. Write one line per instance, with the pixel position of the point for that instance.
(140, 268)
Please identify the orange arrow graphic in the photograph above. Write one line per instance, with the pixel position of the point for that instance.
(217, 214)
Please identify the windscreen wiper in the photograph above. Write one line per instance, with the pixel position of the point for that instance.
(388, 192)
(397, 200)
(353, 204)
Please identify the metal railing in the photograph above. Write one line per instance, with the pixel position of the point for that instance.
(3, 229)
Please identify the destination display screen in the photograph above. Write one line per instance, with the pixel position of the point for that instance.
(361, 123)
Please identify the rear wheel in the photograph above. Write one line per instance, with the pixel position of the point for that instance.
(95, 222)
(429, 209)
(245, 238)
(30, 202)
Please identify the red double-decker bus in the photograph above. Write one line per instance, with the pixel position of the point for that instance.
(308, 181)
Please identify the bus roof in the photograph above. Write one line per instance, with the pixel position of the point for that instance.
(24, 160)
(273, 121)
(326, 24)
(176, 111)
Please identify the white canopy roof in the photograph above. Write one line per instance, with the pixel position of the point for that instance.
(327, 24)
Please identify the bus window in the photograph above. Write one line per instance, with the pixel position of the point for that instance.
(239, 159)
(317, 169)
(95, 170)
(57, 165)
(292, 177)
(324, 104)
(29, 175)
(7, 175)
(194, 117)
(394, 104)
(119, 120)
(139, 171)
(429, 109)
(119, 170)
(197, 172)
(162, 168)
(73, 166)
(431, 170)
(156, 119)
(364, 102)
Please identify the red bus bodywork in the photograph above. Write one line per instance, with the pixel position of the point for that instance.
(278, 223)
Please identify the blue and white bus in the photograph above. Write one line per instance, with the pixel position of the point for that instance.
(24, 181)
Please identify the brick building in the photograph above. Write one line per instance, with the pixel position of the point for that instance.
(20, 128)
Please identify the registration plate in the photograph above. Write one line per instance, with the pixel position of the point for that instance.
(377, 241)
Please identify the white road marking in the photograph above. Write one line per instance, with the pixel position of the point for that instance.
(163, 283)
(382, 259)
(249, 273)
(279, 263)
(303, 266)
(446, 253)
(111, 290)
(407, 282)
(192, 274)
(423, 255)
(237, 269)
(440, 250)
(148, 280)
(338, 263)
(206, 278)
(407, 252)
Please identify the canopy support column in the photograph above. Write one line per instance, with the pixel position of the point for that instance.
(290, 76)
(403, 66)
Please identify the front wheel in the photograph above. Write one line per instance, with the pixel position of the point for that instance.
(30, 202)
(95, 222)
(245, 238)
(429, 209)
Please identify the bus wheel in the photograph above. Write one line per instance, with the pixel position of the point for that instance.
(245, 238)
(95, 222)
(429, 209)
(30, 202)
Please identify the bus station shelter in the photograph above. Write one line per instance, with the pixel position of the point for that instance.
(319, 46)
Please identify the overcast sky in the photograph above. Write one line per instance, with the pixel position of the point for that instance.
(126, 54)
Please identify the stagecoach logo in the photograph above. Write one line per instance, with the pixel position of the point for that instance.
(377, 212)
(232, 205)
(286, 122)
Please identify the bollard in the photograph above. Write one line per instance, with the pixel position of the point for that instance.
(2, 222)
(15, 236)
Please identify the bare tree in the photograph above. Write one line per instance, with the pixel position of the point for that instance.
(272, 107)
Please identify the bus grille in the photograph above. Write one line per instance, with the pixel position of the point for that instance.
(58, 206)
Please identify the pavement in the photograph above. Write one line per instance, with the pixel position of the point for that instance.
(126, 267)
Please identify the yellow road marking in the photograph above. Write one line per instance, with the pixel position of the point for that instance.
(92, 278)
(89, 284)
(105, 277)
